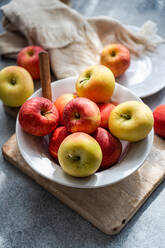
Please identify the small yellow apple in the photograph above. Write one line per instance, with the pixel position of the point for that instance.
(16, 85)
(131, 121)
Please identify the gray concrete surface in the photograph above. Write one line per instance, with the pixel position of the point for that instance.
(32, 218)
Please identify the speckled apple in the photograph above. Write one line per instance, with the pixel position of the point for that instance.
(105, 111)
(81, 115)
(56, 138)
(111, 147)
(38, 116)
(28, 58)
(159, 120)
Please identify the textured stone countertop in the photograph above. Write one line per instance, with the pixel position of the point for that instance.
(30, 217)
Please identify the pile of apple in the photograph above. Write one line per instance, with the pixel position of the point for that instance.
(85, 127)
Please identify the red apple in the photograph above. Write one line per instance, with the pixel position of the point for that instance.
(57, 136)
(28, 58)
(60, 103)
(111, 147)
(38, 116)
(116, 57)
(105, 111)
(159, 120)
(81, 115)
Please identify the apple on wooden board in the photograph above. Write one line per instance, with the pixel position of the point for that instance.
(28, 58)
(96, 83)
(60, 103)
(80, 155)
(81, 115)
(116, 57)
(38, 116)
(159, 120)
(57, 136)
(16, 86)
(111, 147)
(105, 111)
(131, 121)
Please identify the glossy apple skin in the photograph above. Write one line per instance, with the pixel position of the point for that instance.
(16, 86)
(105, 111)
(38, 116)
(116, 57)
(131, 121)
(81, 115)
(96, 83)
(61, 102)
(80, 155)
(111, 147)
(159, 120)
(57, 136)
(28, 58)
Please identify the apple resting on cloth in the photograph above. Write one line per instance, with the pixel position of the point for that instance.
(81, 115)
(116, 57)
(38, 116)
(16, 86)
(159, 120)
(105, 111)
(60, 103)
(80, 155)
(111, 147)
(96, 83)
(57, 136)
(131, 121)
(28, 58)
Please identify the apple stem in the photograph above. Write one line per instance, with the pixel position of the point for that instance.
(74, 158)
(83, 80)
(126, 116)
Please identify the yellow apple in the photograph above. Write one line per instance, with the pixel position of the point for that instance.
(16, 85)
(96, 83)
(131, 121)
(80, 155)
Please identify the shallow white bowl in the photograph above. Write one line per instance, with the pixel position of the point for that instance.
(35, 149)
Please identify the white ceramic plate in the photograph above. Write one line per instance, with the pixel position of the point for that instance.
(145, 75)
(35, 149)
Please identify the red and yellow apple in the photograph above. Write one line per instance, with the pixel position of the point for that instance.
(81, 115)
(159, 120)
(96, 83)
(60, 103)
(111, 147)
(16, 85)
(80, 155)
(105, 111)
(116, 57)
(131, 121)
(57, 136)
(28, 58)
(38, 116)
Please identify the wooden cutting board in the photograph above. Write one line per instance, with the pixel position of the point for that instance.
(109, 208)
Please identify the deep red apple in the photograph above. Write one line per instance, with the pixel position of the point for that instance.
(81, 115)
(105, 111)
(28, 58)
(38, 116)
(60, 103)
(111, 147)
(57, 136)
(159, 120)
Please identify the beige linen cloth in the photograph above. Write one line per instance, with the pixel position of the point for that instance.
(73, 42)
